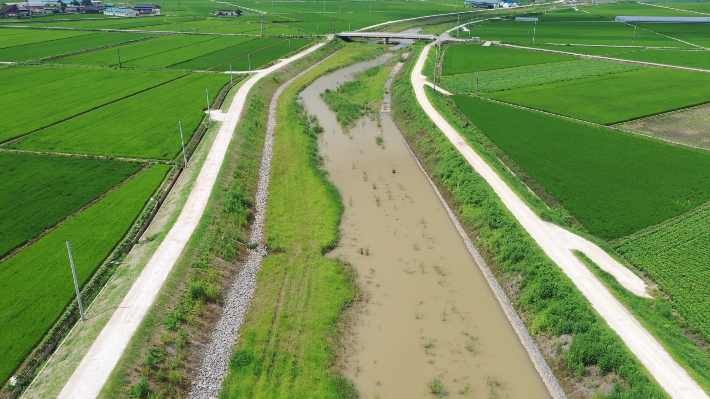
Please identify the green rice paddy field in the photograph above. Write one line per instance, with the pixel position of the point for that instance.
(37, 282)
(614, 184)
(34, 51)
(40, 191)
(572, 32)
(63, 91)
(617, 97)
(472, 58)
(152, 132)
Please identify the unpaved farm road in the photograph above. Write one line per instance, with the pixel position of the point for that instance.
(558, 244)
(99, 361)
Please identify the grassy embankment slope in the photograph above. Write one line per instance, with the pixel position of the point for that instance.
(548, 301)
(289, 337)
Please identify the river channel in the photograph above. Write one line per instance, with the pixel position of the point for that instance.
(427, 311)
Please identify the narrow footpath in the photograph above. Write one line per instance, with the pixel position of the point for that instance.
(558, 244)
(99, 362)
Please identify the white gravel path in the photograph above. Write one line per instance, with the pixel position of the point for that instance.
(93, 371)
(558, 244)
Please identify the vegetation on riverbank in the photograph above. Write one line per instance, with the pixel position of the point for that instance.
(289, 337)
(555, 312)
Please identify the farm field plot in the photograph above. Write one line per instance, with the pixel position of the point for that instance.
(615, 98)
(615, 184)
(37, 282)
(64, 90)
(153, 131)
(39, 191)
(210, 60)
(588, 50)
(690, 59)
(115, 23)
(255, 29)
(69, 45)
(531, 75)
(355, 7)
(701, 7)
(612, 10)
(694, 33)
(561, 32)
(676, 256)
(135, 51)
(20, 37)
(168, 58)
(474, 57)
(265, 55)
(691, 126)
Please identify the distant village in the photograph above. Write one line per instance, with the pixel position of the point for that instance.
(30, 8)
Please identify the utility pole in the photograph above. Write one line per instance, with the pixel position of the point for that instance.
(76, 283)
(332, 30)
(634, 38)
(436, 65)
(289, 47)
(182, 138)
(534, 29)
(231, 77)
(209, 113)
(119, 58)
(249, 59)
(477, 72)
(323, 5)
(349, 27)
(261, 15)
(370, 5)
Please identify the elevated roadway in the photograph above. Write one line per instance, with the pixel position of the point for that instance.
(386, 35)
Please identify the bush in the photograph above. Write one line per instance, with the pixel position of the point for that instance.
(140, 390)
(240, 358)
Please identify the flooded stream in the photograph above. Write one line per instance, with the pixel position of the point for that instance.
(428, 311)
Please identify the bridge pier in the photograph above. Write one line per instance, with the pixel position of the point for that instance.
(387, 40)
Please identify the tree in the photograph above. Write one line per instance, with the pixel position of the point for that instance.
(239, 13)
(86, 3)
(74, 3)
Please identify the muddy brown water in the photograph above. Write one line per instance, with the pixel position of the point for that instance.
(428, 310)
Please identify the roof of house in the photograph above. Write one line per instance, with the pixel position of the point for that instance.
(226, 10)
(143, 6)
(8, 8)
(123, 10)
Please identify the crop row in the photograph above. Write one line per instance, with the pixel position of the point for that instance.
(615, 98)
(39, 191)
(65, 93)
(676, 256)
(212, 59)
(37, 283)
(178, 55)
(35, 51)
(21, 37)
(615, 184)
(531, 75)
(135, 51)
(265, 55)
(472, 58)
(153, 131)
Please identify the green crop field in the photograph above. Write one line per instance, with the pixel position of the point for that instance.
(694, 33)
(610, 10)
(39, 191)
(614, 184)
(167, 58)
(690, 59)
(21, 37)
(474, 57)
(69, 45)
(152, 132)
(615, 98)
(64, 93)
(531, 75)
(216, 58)
(37, 283)
(588, 50)
(570, 32)
(135, 51)
(676, 256)
(265, 55)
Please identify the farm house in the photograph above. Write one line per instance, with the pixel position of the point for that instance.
(121, 12)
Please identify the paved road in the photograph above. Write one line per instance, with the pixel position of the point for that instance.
(558, 245)
(95, 368)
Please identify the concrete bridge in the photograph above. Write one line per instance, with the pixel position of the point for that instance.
(387, 35)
